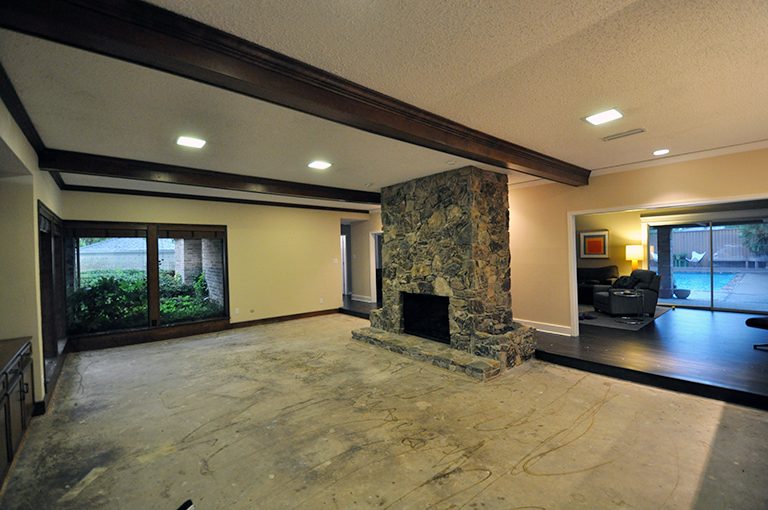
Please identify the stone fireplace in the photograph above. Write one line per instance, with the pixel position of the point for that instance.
(447, 235)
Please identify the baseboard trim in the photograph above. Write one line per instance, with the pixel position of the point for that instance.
(545, 327)
(282, 318)
(363, 299)
(355, 313)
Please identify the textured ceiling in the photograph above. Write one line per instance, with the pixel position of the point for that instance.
(692, 73)
(85, 102)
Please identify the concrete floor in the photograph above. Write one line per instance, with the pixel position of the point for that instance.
(298, 415)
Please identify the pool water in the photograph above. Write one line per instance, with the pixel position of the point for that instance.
(700, 281)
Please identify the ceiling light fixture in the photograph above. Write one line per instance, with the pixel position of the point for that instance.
(319, 165)
(661, 152)
(603, 117)
(189, 141)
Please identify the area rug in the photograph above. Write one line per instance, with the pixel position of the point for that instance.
(626, 323)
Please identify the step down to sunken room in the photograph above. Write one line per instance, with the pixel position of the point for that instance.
(436, 353)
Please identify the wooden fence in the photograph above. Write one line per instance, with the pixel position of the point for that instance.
(726, 242)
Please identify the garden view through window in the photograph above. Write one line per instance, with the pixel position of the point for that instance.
(107, 288)
(191, 279)
(110, 273)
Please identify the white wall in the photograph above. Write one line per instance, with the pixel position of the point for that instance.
(361, 257)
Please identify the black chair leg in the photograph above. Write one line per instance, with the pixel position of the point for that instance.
(760, 347)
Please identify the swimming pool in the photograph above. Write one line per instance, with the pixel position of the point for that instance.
(700, 281)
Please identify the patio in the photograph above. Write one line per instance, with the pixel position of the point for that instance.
(747, 289)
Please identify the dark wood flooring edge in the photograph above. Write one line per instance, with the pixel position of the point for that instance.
(729, 395)
(355, 313)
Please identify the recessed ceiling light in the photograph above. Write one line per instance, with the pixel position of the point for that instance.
(603, 117)
(661, 152)
(188, 141)
(319, 165)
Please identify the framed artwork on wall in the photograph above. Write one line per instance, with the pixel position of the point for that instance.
(593, 244)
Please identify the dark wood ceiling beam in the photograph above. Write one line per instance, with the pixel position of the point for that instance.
(206, 198)
(106, 166)
(16, 108)
(148, 35)
(18, 112)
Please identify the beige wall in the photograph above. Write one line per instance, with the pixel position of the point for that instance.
(19, 262)
(542, 248)
(282, 261)
(361, 256)
(623, 228)
(20, 303)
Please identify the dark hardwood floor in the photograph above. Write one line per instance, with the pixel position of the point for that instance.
(693, 351)
(357, 308)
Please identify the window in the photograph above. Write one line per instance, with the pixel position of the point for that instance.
(127, 276)
(719, 265)
(191, 279)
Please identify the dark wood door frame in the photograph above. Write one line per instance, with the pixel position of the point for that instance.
(52, 296)
(147, 35)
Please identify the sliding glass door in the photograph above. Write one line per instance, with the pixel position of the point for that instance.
(714, 265)
(740, 265)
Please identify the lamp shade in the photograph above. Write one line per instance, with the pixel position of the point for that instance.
(634, 252)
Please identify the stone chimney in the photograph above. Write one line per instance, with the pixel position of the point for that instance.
(447, 235)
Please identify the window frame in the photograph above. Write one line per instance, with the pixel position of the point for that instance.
(152, 232)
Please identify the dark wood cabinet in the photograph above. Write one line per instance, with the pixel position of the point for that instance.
(15, 425)
(17, 398)
(5, 454)
(27, 386)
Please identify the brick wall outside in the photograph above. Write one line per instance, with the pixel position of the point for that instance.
(213, 268)
(189, 260)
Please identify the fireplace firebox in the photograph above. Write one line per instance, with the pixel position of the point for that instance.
(426, 315)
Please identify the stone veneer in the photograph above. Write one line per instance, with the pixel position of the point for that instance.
(448, 235)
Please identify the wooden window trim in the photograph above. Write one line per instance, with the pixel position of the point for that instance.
(152, 232)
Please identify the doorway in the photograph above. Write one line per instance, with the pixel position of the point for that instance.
(376, 266)
(52, 293)
(345, 247)
(344, 265)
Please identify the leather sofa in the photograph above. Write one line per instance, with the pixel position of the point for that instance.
(636, 294)
(588, 277)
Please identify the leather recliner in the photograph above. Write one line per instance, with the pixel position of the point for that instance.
(614, 300)
(588, 277)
